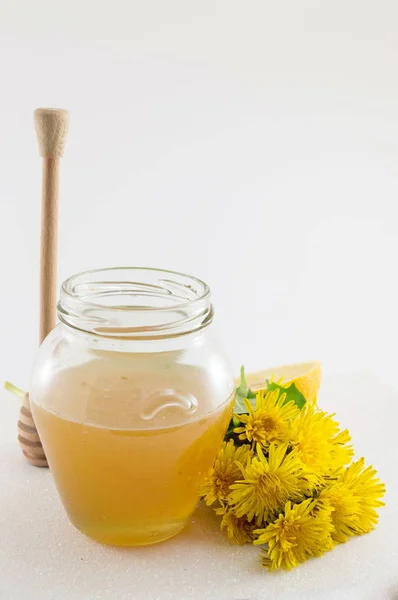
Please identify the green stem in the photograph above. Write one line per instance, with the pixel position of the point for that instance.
(10, 387)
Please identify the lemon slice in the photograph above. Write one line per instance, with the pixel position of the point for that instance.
(305, 376)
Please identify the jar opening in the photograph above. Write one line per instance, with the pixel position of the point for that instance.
(135, 303)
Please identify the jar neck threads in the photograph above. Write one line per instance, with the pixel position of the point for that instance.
(135, 303)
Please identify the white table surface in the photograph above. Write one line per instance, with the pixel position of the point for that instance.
(42, 557)
(253, 144)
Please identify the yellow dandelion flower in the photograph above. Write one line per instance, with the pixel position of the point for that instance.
(267, 484)
(353, 500)
(238, 529)
(296, 535)
(269, 422)
(344, 508)
(364, 483)
(224, 472)
(322, 448)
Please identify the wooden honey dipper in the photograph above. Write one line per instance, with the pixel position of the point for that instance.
(51, 127)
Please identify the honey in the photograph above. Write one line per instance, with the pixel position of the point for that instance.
(129, 449)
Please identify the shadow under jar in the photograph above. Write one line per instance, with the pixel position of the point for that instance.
(132, 397)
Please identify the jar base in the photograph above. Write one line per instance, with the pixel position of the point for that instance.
(129, 537)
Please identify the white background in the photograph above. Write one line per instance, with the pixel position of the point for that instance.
(251, 143)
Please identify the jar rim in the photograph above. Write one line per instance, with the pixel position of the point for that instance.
(112, 301)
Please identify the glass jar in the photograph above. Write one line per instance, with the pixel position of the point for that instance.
(131, 396)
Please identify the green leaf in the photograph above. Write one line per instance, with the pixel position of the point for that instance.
(243, 388)
(230, 429)
(243, 393)
(10, 387)
(292, 393)
(240, 407)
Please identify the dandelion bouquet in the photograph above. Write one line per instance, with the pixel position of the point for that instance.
(284, 478)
